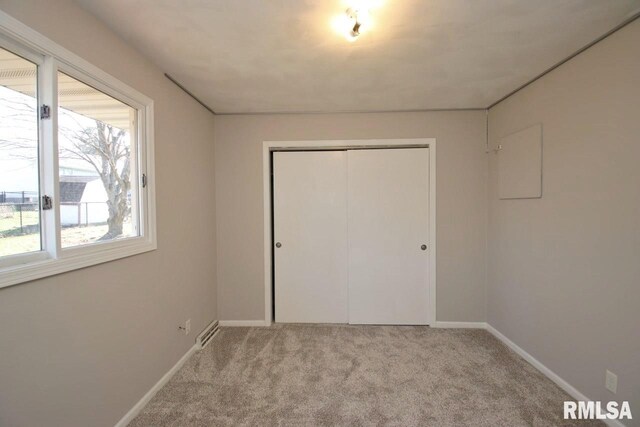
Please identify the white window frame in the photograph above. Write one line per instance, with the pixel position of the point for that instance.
(53, 259)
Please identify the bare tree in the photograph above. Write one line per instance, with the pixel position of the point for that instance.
(107, 150)
(101, 145)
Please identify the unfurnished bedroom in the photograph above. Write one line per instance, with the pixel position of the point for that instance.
(319, 213)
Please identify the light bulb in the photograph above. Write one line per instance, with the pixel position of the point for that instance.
(342, 24)
(356, 20)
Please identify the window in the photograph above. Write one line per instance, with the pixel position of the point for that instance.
(76, 161)
(96, 158)
(19, 166)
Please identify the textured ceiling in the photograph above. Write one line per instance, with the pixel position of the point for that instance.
(284, 56)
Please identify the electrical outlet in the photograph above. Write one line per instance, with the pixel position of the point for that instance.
(187, 327)
(611, 382)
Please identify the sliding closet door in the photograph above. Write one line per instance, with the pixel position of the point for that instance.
(310, 236)
(388, 226)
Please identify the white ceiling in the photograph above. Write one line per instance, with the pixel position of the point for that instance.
(241, 56)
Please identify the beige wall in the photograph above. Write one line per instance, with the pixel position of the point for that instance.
(79, 349)
(461, 200)
(564, 270)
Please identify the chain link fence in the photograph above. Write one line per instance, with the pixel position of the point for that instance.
(19, 213)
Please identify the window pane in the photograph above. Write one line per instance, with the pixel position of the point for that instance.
(98, 196)
(19, 176)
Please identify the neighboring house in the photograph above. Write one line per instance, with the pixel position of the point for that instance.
(83, 200)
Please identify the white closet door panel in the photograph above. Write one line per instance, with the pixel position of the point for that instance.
(388, 196)
(310, 222)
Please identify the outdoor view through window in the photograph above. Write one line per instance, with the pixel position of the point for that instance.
(19, 176)
(98, 198)
(96, 156)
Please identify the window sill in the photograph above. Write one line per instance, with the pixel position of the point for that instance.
(74, 259)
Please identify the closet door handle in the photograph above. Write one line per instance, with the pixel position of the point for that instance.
(278, 245)
(423, 247)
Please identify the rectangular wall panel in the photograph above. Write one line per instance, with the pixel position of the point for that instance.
(520, 164)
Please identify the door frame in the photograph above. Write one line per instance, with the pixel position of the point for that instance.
(269, 147)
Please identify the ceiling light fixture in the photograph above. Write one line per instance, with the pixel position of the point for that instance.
(353, 22)
(356, 21)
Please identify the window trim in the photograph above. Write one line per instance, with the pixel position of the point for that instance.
(52, 259)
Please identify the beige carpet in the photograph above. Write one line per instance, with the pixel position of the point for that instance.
(326, 375)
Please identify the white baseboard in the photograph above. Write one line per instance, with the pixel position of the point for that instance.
(242, 323)
(538, 365)
(571, 390)
(133, 412)
(461, 325)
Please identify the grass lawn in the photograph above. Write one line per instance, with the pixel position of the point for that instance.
(19, 244)
(11, 242)
(11, 220)
(73, 236)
